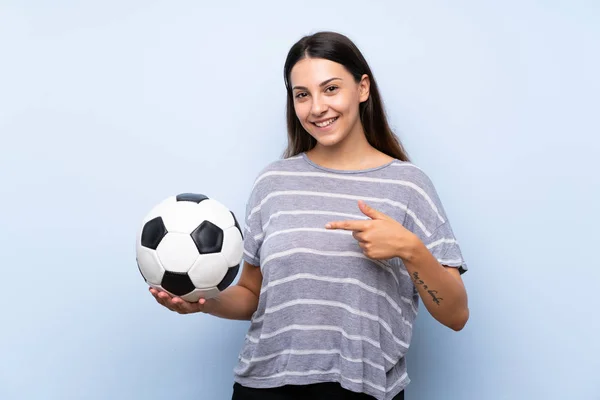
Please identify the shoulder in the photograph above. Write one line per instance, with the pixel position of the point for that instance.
(421, 196)
(411, 174)
(277, 168)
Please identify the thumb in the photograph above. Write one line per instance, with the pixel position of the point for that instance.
(370, 211)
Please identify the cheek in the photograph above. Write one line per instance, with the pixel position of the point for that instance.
(302, 110)
(344, 104)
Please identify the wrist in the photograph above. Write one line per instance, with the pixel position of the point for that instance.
(411, 249)
(208, 306)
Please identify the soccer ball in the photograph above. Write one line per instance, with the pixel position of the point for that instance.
(189, 246)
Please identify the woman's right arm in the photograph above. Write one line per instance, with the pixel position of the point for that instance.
(237, 302)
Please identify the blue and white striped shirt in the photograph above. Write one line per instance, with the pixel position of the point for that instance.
(326, 312)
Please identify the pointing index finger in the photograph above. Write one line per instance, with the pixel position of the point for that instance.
(346, 225)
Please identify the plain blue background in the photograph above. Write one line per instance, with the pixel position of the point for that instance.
(108, 107)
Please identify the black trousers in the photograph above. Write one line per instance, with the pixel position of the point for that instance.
(316, 391)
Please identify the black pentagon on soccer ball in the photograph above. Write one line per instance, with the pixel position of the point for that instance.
(208, 238)
(193, 197)
(153, 232)
(177, 283)
(229, 277)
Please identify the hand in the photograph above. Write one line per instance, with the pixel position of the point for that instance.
(177, 304)
(380, 237)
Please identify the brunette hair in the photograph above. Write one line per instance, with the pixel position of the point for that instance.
(340, 49)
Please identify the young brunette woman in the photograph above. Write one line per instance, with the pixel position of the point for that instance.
(343, 238)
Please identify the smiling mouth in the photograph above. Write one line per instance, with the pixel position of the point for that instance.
(324, 124)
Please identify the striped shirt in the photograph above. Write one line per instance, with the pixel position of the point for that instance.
(326, 312)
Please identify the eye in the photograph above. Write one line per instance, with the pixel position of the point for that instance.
(300, 95)
(331, 89)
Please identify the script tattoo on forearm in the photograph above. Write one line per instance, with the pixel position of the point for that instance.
(433, 293)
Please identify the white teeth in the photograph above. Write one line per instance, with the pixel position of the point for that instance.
(325, 123)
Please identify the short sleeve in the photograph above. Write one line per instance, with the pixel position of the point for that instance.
(253, 229)
(445, 247)
(427, 218)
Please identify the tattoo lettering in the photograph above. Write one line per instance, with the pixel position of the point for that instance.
(436, 299)
(433, 293)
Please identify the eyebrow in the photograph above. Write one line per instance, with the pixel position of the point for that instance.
(321, 85)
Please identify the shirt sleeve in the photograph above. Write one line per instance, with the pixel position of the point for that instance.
(253, 229)
(427, 218)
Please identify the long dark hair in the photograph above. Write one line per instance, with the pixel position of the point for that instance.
(340, 49)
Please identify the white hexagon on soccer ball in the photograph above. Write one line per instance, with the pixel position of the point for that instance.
(177, 252)
(182, 217)
(233, 246)
(149, 265)
(208, 270)
(216, 213)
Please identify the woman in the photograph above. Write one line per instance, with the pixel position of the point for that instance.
(342, 237)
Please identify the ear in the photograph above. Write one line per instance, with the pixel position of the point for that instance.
(364, 87)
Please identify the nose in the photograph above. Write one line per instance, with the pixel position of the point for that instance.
(319, 107)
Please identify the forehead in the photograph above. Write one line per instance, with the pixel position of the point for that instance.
(313, 71)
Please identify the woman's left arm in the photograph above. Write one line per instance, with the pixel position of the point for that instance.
(441, 288)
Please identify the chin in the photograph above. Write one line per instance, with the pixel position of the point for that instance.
(328, 142)
(328, 139)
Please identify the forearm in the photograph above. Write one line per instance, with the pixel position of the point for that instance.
(442, 293)
(236, 303)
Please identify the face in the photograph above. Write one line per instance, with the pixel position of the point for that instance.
(326, 100)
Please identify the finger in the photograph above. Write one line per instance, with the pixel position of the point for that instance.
(166, 303)
(178, 305)
(163, 295)
(186, 307)
(347, 225)
(154, 292)
(370, 211)
(359, 236)
(165, 299)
